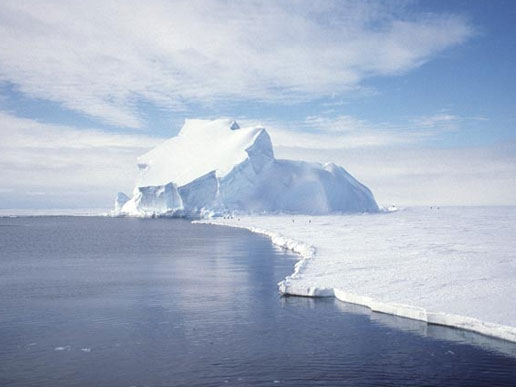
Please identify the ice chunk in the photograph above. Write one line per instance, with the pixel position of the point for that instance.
(161, 199)
(121, 199)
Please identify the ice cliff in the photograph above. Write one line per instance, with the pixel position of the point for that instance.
(216, 167)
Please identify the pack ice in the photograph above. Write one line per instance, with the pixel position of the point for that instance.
(215, 167)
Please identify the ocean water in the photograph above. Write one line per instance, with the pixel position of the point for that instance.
(159, 302)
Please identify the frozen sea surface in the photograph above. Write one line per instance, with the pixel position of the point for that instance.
(90, 301)
(448, 263)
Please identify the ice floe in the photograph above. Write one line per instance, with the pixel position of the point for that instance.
(454, 267)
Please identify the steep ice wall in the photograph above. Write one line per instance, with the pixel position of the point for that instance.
(159, 199)
(215, 166)
(121, 199)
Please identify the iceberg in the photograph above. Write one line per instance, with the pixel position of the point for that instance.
(215, 167)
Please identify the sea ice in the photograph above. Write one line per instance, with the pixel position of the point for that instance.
(450, 266)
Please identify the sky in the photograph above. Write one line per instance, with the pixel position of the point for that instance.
(417, 99)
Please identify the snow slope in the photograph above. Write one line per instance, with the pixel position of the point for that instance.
(199, 148)
(452, 266)
(217, 167)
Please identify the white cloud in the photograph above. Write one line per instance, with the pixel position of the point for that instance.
(331, 140)
(349, 132)
(103, 57)
(418, 176)
(444, 121)
(345, 132)
(60, 166)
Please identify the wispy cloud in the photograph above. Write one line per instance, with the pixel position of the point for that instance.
(369, 137)
(443, 121)
(56, 162)
(349, 132)
(103, 58)
(23, 133)
(406, 176)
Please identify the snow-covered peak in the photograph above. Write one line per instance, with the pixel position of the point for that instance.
(201, 147)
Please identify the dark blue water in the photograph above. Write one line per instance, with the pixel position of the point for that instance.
(157, 302)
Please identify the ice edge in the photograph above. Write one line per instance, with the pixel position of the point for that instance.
(307, 253)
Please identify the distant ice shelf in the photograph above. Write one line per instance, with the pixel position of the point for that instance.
(449, 266)
(216, 167)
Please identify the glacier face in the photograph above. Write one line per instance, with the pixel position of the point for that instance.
(216, 167)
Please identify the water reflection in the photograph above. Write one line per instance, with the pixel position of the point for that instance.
(433, 331)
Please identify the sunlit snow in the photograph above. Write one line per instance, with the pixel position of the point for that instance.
(451, 266)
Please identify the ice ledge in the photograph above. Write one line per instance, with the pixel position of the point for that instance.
(307, 253)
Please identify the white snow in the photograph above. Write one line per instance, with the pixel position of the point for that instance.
(217, 167)
(447, 266)
(200, 147)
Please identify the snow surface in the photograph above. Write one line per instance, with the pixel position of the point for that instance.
(447, 266)
(200, 147)
(215, 167)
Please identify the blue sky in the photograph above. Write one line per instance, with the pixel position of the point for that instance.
(415, 98)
